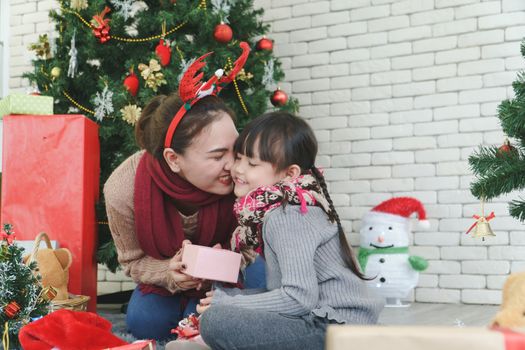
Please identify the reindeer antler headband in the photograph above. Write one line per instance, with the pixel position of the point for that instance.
(191, 89)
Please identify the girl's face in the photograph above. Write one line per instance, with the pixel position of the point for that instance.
(207, 162)
(250, 173)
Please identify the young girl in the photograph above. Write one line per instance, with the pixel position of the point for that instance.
(284, 209)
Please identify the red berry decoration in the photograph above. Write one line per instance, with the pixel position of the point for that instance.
(223, 33)
(506, 150)
(163, 52)
(264, 44)
(131, 83)
(12, 309)
(279, 98)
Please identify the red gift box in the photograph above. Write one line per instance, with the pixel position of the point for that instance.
(50, 183)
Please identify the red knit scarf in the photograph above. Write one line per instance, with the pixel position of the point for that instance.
(158, 223)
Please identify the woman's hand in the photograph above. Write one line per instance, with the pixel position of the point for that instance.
(205, 303)
(183, 281)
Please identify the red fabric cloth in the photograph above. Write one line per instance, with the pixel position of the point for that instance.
(157, 221)
(69, 330)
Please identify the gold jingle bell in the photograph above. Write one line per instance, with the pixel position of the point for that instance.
(482, 229)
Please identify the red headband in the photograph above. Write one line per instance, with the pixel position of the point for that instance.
(191, 89)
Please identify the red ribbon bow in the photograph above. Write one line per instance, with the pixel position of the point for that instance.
(8, 237)
(478, 218)
(101, 31)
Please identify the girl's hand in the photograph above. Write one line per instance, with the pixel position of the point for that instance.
(205, 302)
(183, 281)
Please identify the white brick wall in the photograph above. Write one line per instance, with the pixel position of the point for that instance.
(399, 93)
(412, 93)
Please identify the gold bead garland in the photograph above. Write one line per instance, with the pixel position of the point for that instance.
(78, 105)
(228, 67)
(129, 40)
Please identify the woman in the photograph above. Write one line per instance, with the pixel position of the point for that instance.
(178, 189)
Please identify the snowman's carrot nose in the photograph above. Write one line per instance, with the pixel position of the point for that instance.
(380, 239)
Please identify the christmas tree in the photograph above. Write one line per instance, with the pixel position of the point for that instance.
(112, 56)
(501, 170)
(21, 295)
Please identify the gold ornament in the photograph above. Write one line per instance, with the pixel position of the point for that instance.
(481, 226)
(78, 5)
(131, 114)
(243, 76)
(152, 75)
(55, 72)
(48, 293)
(42, 47)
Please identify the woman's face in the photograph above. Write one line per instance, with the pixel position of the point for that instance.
(207, 161)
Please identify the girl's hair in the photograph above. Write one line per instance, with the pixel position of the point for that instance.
(283, 139)
(155, 119)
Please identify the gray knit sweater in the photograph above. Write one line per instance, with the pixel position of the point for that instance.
(305, 272)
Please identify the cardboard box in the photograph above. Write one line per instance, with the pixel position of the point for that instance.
(343, 337)
(211, 264)
(26, 104)
(50, 183)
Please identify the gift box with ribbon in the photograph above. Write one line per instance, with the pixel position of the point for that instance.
(340, 337)
(26, 104)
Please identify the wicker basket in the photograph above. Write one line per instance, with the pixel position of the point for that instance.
(74, 302)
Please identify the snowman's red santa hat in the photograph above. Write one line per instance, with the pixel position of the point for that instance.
(397, 210)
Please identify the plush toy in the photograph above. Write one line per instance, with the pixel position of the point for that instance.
(53, 266)
(512, 313)
(383, 251)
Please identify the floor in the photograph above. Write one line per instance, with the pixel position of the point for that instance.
(440, 315)
(422, 314)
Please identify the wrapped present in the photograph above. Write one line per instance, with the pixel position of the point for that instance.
(211, 263)
(26, 104)
(50, 183)
(341, 337)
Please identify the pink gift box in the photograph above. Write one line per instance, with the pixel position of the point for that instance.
(211, 263)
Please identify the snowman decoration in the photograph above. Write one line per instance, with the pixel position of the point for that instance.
(383, 253)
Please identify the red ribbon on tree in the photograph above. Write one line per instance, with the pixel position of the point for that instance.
(8, 237)
(12, 309)
(101, 26)
(480, 218)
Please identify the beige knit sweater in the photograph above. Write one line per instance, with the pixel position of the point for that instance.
(118, 193)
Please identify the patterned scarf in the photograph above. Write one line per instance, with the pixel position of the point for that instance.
(251, 209)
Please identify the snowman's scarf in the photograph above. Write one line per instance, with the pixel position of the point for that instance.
(364, 253)
(251, 209)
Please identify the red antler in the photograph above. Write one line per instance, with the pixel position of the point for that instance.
(190, 82)
(237, 66)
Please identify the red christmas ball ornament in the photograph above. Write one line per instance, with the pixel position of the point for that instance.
(223, 33)
(506, 149)
(131, 83)
(12, 309)
(163, 52)
(279, 98)
(264, 44)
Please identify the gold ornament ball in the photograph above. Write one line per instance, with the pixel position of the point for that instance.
(55, 72)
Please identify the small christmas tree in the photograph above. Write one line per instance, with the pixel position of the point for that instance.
(22, 298)
(112, 56)
(501, 170)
